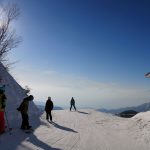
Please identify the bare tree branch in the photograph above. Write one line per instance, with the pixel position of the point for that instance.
(8, 37)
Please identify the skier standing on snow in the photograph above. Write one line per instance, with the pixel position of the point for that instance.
(2, 110)
(23, 108)
(72, 103)
(48, 108)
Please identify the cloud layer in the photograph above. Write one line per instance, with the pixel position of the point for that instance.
(87, 92)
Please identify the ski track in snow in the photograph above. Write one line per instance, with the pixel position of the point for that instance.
(82, 130)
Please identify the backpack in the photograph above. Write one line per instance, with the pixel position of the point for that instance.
(20, 107)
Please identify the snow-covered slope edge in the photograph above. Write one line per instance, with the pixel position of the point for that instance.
(141, 126)
(15, 94)
(81, 130)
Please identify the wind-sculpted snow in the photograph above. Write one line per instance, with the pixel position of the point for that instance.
(82, 130)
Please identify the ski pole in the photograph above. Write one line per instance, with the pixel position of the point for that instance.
(9, 129)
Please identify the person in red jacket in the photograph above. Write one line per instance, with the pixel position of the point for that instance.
(2, 111)
(48, 108)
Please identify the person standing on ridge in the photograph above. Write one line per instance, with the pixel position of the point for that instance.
(2, 110)
(72, 103)
(23, 108)
(48, 108)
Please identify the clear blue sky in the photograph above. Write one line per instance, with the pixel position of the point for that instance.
(95, 50)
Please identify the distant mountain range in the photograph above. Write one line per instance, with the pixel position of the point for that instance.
(41, 106)
(141, 108)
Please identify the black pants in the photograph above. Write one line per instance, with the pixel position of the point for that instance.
(25, 121)
(73, 106)
(49, 114)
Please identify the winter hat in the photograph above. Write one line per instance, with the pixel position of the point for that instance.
(49, 97)
(31, 97)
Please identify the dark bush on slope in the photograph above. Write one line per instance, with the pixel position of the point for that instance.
(127, 114)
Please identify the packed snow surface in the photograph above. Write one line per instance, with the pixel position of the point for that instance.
(85, 129)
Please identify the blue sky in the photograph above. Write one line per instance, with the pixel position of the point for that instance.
(95, 50)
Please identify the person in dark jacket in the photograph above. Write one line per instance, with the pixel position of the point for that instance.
(48, 108)
(2, 111)
(72, 103)
(23, 108)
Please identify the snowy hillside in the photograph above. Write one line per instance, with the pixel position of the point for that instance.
(82, 130)
(15, 94)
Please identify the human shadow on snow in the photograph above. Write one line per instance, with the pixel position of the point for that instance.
(63, 128)
(83, 112)
(35, 141)
(16, 140)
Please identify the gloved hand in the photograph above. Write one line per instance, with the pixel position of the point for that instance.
(18, 108)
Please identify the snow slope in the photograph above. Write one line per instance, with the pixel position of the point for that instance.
(83, 130)
(15, 94)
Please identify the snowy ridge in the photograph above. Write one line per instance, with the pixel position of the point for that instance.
(143, 116)
(141, 127)
(15, 94)
(85, 129)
